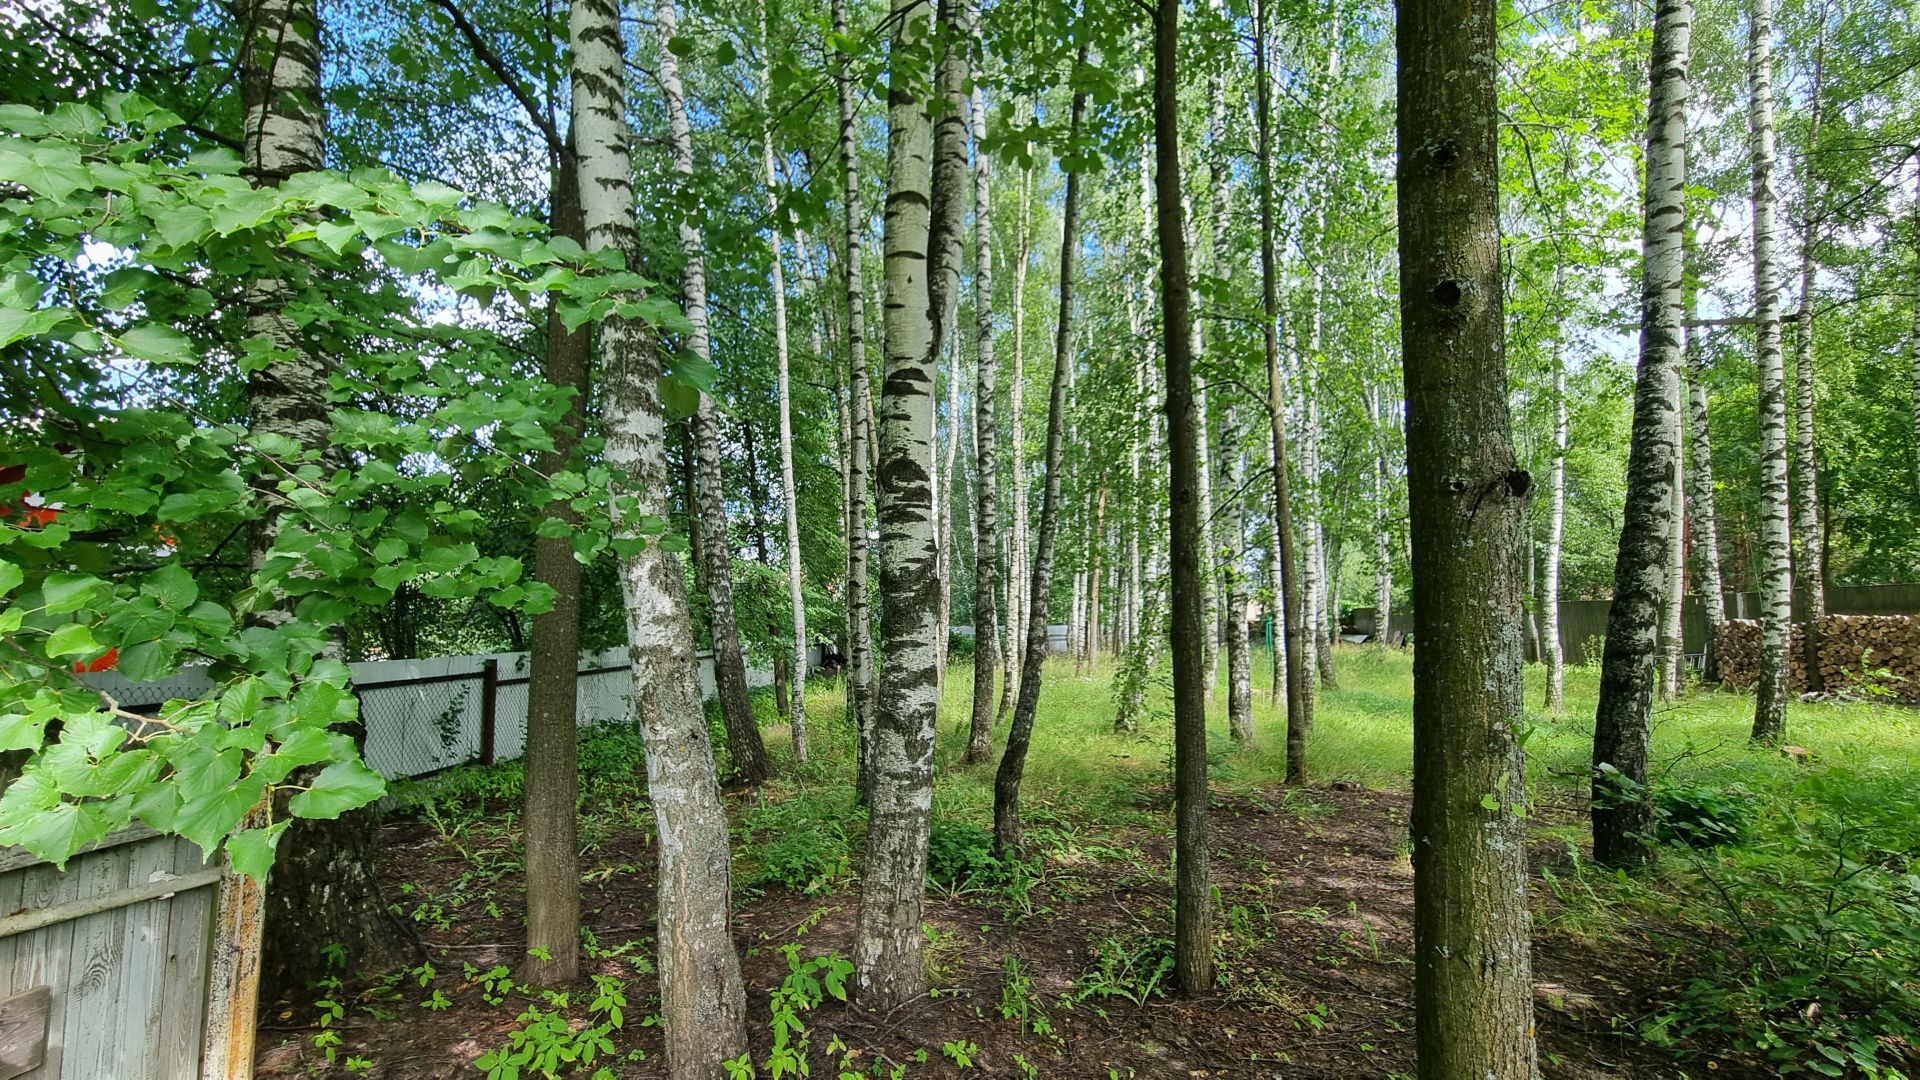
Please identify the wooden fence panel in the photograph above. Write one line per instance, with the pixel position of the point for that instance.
(120, 942)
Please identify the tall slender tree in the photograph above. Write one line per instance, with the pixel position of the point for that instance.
(1622, 805)
(1550, 648)
(729, 664)
(1473, 985)
(1193, 875)
(986, 583)
(1006, 782)
(861, 684)
(551, 815)
(888, 938)
(1299, 690)
(1809, 546)
(702, 998)
(1773, 542)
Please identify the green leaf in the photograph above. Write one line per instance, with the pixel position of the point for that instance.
(10, 577)
(159, 344)
(173, 586)
(57, 833)
(72, 639)
(70, 592)
(1489, 802)
(250, 851)
(208, 819)
(20, 731)
(340, 787)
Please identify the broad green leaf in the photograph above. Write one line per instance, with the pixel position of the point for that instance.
(340, 787)
(72, 639)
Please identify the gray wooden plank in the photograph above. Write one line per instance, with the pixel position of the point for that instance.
(92, 973)
(10, 891)
(143, 964)
(183, 1009)
(41, 958)
(16, 857)
(23, 1031)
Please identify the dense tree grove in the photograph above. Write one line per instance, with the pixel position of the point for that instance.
(873, 337)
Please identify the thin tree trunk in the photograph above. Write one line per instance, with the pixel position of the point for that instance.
(860, 680)
(1007, 839)
(1193, 879)
(986, 614)
(1809, 552)
(1299, 690)
(1097, 574)
(1320, 584)
(1473, 984)
(1383, 520)
(552, 783)
(702, 999)
(1209, 597)
(1774, 543)
(1551, 650)
(729, 666)
(888, 937)
(324, 894)
(950, 196)
(1672, 618)
(796, 595)
(1017, 568)
(1232, 534)
(1623, 721)
(1700, 512)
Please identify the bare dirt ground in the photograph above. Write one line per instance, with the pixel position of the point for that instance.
(1316, 896)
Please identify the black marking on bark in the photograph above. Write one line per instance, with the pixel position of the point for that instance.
(1447, 293)
(1445, 155)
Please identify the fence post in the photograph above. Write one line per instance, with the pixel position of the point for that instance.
(489, 707)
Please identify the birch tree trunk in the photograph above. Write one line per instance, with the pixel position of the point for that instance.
(1622, 805)
(948, 237)
(1473, 984)
(1706, 534)
(1007, 838)
(888, 936)
(796, 595)
(861, 684)
(1551, 651)
(324, 893)
(1383, 518)
(1017, 451)
(552, 778)
(1672, 664)
(1299, 689)
(1193, 885)
(1319, 585)
(1776, 565)
(986, 583)
(702, 999)
(1809, 548)
(729, 666)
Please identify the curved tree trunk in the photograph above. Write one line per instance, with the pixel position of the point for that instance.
(702, 999)
(860, 674)
(1473, 984)
(1299, 689)
(1773, 542)
(729, 666)
(1017, 565)
(552, 784)
(1006, 781)
(1623, 722)
(323, 893)
(888, 937)
(986, 583)
(1193, 884)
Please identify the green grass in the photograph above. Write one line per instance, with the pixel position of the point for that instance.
(1363, 732)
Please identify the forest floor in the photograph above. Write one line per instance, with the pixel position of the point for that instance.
(1056, 967)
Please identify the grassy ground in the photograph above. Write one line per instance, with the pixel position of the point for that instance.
(1791, 949)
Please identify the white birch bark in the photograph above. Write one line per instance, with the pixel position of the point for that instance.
(1774, 544)
(1552, 652)
(888, 937)
(796, 596)
(703, 1002)
(986, 608)
(1700, 511)
(1383, 516)
(1017, 576)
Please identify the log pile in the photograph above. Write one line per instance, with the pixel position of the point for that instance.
(1859, 655)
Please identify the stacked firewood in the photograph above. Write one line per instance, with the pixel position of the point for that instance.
(1859, 655)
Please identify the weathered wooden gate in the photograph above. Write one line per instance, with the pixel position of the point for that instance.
(105, 968)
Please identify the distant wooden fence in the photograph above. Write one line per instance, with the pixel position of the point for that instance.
(1585, 621)
(106, 969)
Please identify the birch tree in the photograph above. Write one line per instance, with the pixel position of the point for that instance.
(729, 665)
(702, 998)
(1622, 806)
(986, 584)
(1776, 566)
